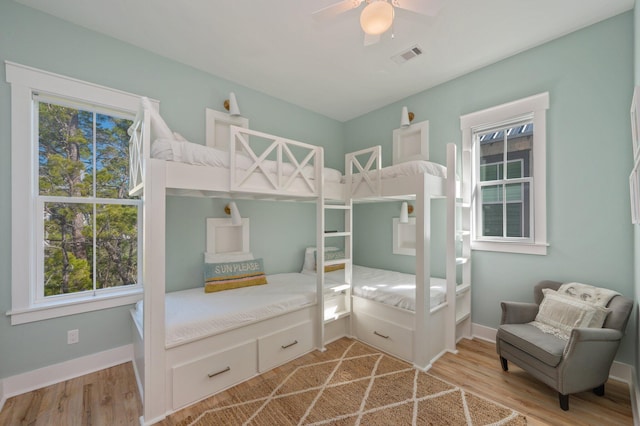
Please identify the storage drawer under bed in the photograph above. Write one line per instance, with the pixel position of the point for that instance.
(284, 345)
(206, 376)
(388, 336)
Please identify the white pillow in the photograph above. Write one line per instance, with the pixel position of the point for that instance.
(559, 314)
(159, 129)
(237, 256)
(310, 258)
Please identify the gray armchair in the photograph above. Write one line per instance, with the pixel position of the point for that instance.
(580, 364)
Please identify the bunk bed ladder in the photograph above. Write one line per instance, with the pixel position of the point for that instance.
(335, 325)
(463, 255)
(458, 251)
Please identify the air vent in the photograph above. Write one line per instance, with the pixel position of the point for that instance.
(407, 55)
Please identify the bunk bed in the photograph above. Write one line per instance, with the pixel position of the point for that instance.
(419, 324)
(175, 373)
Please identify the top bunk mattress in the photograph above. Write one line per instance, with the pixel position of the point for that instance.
(201, 155)
(413, 167)
(193, 314)
(390, 287)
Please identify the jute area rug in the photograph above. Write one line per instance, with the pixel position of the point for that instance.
(350, 384)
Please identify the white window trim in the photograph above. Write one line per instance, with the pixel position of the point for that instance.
(536, 104)
(24, 82)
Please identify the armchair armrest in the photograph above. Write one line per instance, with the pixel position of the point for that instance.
(583, 336)
(587, 358)
(518, 312)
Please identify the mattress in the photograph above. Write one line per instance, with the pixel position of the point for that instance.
(409, 168)
(201, 155)
(414, 167)
(390, 287)
(193, 314)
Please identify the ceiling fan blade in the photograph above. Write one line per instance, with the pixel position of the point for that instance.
(371, 39)
(336, 9)
(423, 7)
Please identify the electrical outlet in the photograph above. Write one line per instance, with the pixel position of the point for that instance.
(73, 336)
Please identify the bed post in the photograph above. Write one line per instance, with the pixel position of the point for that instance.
(153, 272)
(421, 341)
(450, 332)
(320, 236)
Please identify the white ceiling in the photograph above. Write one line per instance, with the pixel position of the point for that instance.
(278, 48)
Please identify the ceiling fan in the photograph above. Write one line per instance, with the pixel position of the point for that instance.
(377, 16)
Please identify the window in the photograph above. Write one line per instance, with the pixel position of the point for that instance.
(507, 146)
(75, 240)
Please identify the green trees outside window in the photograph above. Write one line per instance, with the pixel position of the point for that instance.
(90, 224)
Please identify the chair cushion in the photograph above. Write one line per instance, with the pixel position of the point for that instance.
(543, 346)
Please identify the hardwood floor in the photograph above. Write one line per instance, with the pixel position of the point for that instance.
(477, 369)
(106, 397)
(110, 397)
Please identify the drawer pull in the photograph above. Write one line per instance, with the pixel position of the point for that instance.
(295, 342)
(381, 335)
(212, 375)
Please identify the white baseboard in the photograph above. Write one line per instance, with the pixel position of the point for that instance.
(36, 379)
(483, 332)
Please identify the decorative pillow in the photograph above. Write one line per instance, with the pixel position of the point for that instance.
(159, 129)
(330, 255)
(237, 256)
(559, 314)
(229, 275)
(310, 257)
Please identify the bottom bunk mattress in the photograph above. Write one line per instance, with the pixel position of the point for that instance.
(390, 287)
(193, 314)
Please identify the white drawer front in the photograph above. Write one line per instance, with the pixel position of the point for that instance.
(389, 337)
(206, 376)
(284, 345)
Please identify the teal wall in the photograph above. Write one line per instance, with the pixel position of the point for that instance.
(589, 75)
(38, 40)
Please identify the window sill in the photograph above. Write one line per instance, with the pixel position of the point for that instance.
(535, 248)
(71, 307)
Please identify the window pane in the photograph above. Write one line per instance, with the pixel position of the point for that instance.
(491, 155)
(514, 192)
(492, 211)
(112, 157)
(518, 212)
(65, 150)
(116, 245)
(491, 194)
(68, 245)
(492, 220)
(519, 154)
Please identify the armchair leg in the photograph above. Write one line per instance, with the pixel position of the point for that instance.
(504, 363)
(564, 401)
(599, 390)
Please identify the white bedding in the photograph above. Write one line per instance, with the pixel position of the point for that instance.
(390, 287)
(193, 153)
(193, 314)
(414, 167)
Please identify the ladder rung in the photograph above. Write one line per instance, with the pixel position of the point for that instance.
(337, 234)
(337, 207)
(335, 262)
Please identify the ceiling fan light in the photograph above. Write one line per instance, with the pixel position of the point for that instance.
(377, 17)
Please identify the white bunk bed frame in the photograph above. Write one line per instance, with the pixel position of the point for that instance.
(171, 378)
(424, 335)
